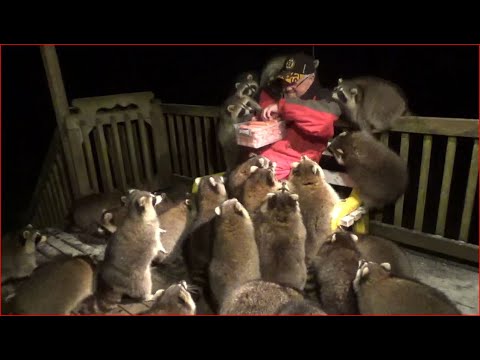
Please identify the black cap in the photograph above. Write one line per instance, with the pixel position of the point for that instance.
(297, 67)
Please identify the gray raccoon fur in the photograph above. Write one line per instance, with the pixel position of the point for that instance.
(255, 189)
(126, 266)
(336, 266)
(176, 222)
(236, 178)
(235, 257)
(302, 307)
(236, 109)
(370, 103)
(271, 69)
(380, 175)
(380, 250)
(379, 292)
(258, 297)
(57, 287)
(175, 300)
(18, 253)
(280, 235)
(198, 248)
(317, 200)
(87, 211)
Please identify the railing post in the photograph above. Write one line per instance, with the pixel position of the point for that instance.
(60, 104)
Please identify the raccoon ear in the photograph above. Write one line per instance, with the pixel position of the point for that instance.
(334, 238)
(26, 234)
(231, 108)
(188, 195)
(108, 216)
(237, 85)
(315, 63)
(163, 196)
(29, 226)
(294, 165)
(354, 237)
(253, 169)
(123, 199)
(339, 150)
(343, 133)
(304, 157)
(386, 266)
(365, 271)
(239, 208)
(294, 197)
(261, 161)
(340, 80)
(252, 154)
(188, 202)
(218, 211)
(212, 181)
(197, 181)
(273, 165)
(317, 170)
(131, 191)
(222, 179)
(269, 195)
(354, 91)
(249, 77)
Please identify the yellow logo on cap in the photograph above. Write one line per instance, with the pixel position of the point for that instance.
(290, 64)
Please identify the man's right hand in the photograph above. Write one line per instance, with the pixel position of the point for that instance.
(269, 111)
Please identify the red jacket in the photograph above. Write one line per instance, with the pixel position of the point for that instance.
(309, 121)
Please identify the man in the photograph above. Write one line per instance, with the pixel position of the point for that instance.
(308, 114)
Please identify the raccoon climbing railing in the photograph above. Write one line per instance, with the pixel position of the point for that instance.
(130, 140)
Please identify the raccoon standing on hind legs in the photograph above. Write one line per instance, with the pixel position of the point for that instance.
(126, 266)
(236, 109)
(371, 104)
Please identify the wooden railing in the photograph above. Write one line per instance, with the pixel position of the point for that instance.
(128, 140)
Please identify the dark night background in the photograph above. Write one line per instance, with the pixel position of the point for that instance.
(438, 81)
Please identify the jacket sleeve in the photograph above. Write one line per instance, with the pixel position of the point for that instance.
(265, 99)
(313, 117)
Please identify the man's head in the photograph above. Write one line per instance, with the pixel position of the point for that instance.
(298, 74)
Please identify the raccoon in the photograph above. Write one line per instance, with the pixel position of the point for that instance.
(259, 297)
(300, 307)
(247, 84)
(317, 200)
(86, 212)
(176, 222)
(379, 292)
(198, 248)
(126, 266)
(380, 175)
(280, 235)
(236, 109)
(380, 250)
(236, 178)
(371, 104)
(271, 69)
(260, 182)
(175, 300)
(18, 253)
(57, 287)
(114, 218)
(336, 266)
(235, 257)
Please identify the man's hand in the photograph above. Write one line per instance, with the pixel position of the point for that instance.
(269, 111)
